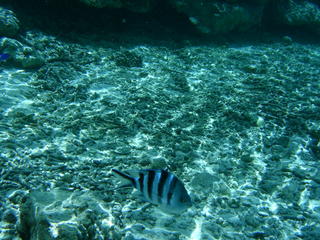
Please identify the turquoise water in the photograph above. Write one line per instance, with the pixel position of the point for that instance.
(237, 123)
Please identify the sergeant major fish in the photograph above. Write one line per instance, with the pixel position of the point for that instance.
(160, 187)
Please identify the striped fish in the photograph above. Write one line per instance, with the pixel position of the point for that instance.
(160, 187)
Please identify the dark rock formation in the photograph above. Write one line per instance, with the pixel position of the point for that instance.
(135, 6)
(208, 17)
(295, 13)
(221, 17)
(20, 55)
(9, 23)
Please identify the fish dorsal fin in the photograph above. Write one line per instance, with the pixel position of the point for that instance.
(133, 173)
(125, 176)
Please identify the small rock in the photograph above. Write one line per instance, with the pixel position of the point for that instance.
(9, 24)
(20, 55)
(287, 40)
(27, 58)
(128, 59)
(9, 216)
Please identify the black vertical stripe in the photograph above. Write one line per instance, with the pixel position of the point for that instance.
(172, 189)
(162, 181)
(141, 177)
(151, 176)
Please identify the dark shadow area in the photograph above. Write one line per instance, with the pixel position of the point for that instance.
(271, 24)
(72, 21)
(65, 19)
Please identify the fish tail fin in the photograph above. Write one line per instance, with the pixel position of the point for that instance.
(126, 176)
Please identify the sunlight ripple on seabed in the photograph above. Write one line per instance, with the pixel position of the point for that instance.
(196, 234)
